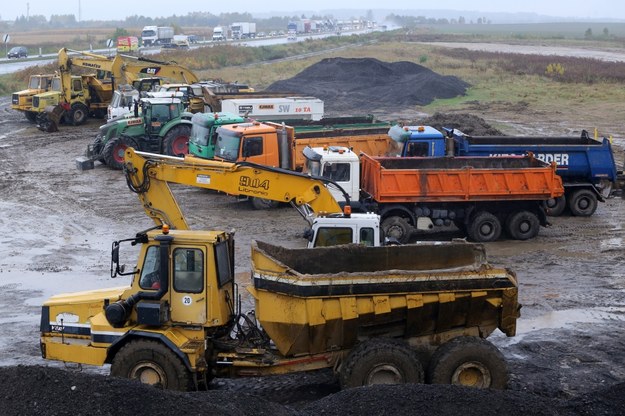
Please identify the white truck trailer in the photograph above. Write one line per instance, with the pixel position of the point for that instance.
(284, 108)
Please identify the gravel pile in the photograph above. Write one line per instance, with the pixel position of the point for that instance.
(37, 390)
(365, 85)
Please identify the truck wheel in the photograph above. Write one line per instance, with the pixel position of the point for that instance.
(31, 116)
(583, 203)
(556, 206)
(78, 114)
(261, 203)
(484, 227)
(470, 362)
(381, 361)
(398, 228)
(114, 151)
(522, 225)
(176, 141)
(152, 363)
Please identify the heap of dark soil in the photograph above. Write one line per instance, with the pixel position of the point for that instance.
(36, 390)
(467, 123)
(366, 85)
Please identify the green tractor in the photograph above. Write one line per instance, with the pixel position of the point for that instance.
(160, 125)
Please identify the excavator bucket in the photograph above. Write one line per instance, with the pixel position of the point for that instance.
(50, 119)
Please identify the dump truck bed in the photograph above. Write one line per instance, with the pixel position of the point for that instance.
(371, 142)
(416, 179)
(315, 300)
(576, 157)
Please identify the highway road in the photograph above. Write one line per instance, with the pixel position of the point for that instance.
(8, 66)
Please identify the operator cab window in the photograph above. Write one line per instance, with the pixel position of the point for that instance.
(188, 270)
(417, 150)
(367, 237)
(338, 172)
(253, 146)
(150, 272)
(332, 236)
(77, 85)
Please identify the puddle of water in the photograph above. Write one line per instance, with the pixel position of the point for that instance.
(611, 243)
(566, 319)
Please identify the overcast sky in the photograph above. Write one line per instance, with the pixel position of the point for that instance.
(118, 10)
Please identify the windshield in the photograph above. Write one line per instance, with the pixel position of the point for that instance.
(148, 33)
(227, 145)
(34, 83)
(199, 134)
(56, 84)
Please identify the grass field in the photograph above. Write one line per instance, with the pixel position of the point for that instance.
(503, 90)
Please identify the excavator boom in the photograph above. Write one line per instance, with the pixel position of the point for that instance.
(148, 175)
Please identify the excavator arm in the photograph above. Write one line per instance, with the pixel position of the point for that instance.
(149, 175)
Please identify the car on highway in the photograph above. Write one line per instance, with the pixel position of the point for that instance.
(18, 52)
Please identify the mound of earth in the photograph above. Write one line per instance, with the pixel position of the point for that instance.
(366, 85)
(467, 123)
(37, 390)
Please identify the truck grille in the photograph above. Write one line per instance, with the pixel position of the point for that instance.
(15, 99)
(36, 102)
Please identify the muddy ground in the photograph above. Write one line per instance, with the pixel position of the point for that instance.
(58, 224)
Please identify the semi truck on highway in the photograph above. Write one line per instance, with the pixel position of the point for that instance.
(586, 165)
(156, 35)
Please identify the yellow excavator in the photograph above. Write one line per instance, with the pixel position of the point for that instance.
(75, 97)
(149, 175)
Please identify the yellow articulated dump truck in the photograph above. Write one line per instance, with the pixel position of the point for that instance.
(395, 314)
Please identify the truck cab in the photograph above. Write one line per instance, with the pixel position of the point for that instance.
(23, 100)
(338, 163)
(204, 131)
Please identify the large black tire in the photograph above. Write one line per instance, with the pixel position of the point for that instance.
(522, 225)
(114, 151)
(381, 361)
(151, 362)
(78, 114)
(262, 203)
(556, 206)
(484, 227)
(31, 116)
(583, 203)
(397, 228)
(176, 141)
(468, 361)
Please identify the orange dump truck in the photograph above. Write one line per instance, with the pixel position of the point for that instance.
(279, 145)
(481, 195)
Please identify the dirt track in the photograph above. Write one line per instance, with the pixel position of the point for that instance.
(58, 224)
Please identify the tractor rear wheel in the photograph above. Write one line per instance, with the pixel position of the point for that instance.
(151, 362)
(114, 151)
(176, 141)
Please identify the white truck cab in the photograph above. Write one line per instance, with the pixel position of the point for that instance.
(338, 163)
(334, 230)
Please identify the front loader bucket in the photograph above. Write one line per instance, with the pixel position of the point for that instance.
(50, 119)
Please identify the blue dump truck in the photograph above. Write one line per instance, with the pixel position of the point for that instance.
(586, 165)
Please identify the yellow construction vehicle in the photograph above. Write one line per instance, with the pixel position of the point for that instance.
(77, 96)
(398, 314)
(23, 100)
